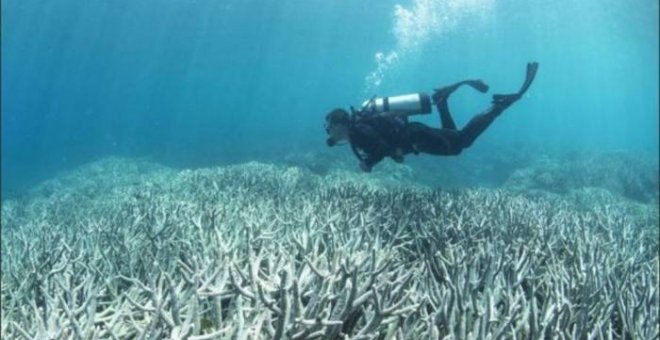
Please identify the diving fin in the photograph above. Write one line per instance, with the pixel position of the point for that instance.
(531, 74)
(507, 99)
(478, 85)
(444, 92)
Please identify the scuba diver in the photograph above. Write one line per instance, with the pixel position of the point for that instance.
(381, 129)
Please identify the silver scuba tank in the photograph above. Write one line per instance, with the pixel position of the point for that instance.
(414, 103)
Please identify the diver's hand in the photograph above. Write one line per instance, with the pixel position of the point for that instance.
(365, 167)
(398, 155)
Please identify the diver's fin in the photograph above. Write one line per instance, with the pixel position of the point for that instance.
(478, 85)
(505, 99)
(508, 99)
(531, 74)
(444, 92)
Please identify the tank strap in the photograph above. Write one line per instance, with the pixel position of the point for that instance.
(354, 118)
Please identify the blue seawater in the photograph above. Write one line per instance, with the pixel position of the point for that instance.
(193, 83)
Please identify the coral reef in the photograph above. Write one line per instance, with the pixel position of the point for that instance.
(623, 174)
(260, 251)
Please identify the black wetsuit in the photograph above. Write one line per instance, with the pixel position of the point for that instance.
(375, 137)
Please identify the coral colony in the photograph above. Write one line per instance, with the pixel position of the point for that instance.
(264, 252)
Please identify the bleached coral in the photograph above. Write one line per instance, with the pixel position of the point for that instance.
(259, 251)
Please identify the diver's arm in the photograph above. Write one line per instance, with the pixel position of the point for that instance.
(371, 160)
(368, 145)
(368, 160)
(397, 156)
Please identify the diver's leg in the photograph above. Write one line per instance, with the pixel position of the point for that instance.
(433, 141)
(445, 117)
(440, 97)
(477, 125)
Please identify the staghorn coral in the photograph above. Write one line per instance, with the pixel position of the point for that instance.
(258, 251)
(623, 174)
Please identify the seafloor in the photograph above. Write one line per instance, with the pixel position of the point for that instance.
(124, 249)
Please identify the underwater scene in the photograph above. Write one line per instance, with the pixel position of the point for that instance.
(330, 169)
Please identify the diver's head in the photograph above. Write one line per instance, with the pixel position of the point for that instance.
(336, 125)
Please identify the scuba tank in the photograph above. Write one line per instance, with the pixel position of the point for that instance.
(409, 104)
